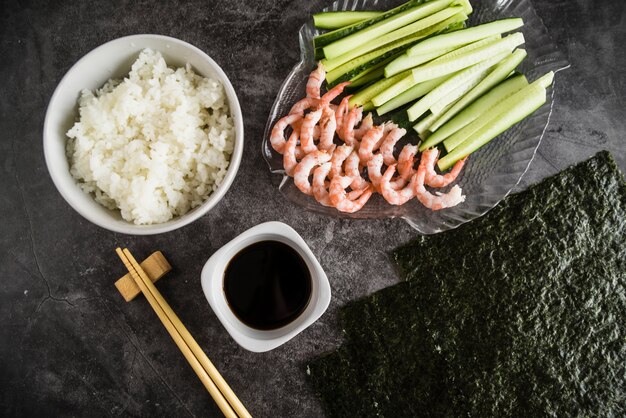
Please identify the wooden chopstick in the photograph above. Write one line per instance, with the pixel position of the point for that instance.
(223, 395)
(191, 342)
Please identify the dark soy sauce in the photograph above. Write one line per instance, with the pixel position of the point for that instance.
(267, 285)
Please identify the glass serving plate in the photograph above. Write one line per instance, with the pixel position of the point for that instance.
(489, 174)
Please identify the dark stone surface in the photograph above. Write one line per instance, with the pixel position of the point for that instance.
(70, 346)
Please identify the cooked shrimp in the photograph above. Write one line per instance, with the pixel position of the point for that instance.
(353, 169)
(374, 172)
(339, 156)
(395, 197)
(406, 159)
(433, 179)
(349, 122)
(434, 201)
(333, 93)
(304, 104)
(386, 148)
(277, 138)
(307, 131)
(340, 199)
(328, 125)
(320, 191)
(290, 160)
(370, 142)
(366, 124)
(315, 81)
(340, 114)
(304, 167)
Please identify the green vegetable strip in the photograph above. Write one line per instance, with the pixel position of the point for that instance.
(437, 69)
(450, 85)
(408, 61)
(405, 62)
(383, 27)
(365, 95)
(330, 64)
(503, 121)
(350, 69)
(422, 126)
(340, 19)
(453, 97)
(474, 110)
(368, 75)
(467, 36)
(411, 94)
(499, 74)
(469, 130)
(330, 37)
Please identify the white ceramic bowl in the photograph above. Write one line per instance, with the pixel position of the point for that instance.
(213, 287)
(113, 60)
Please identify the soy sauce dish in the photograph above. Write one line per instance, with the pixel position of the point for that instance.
(265, 286)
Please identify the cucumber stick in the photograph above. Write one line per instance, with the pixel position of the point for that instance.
(383, 27)
(499, 74)
(469, 130)
(365, 95)
(534, 98)
(406, 61)
(422, 126)
(350, 69)
(394, 90)
(409, 95)
(474, 110)
(340, 19)
(448, 66)
(450, 85)
(330, 64)
(448, 100)
(368, 75)
(330, 37)
(466, 36)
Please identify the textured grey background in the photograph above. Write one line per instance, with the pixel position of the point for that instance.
(69, 345)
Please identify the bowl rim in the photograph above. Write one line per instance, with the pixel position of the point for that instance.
(177, 222)
(212, 275)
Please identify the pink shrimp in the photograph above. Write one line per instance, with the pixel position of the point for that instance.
(389, 142)
(340, 199)
(319, 184)
(374, 167)
(434, 201)
(349, 122)
(327, 130)
(353, 169)
(366, 124)
(304, 168)
(290, 158)
(331, 94)
(370, 142)
(340, 114)
(374, 172)
(406, 159)
(395, 197)
(315, 81)
(304, 104)
(307, 131)
(339, 156)
(277, 138)
(433, 179)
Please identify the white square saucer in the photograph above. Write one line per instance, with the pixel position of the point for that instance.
(212, 284)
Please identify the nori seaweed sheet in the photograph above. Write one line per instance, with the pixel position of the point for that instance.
(519, 313)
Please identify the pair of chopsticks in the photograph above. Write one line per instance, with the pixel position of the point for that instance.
(223, 395)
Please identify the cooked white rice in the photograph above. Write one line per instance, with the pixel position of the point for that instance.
(154, 145)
